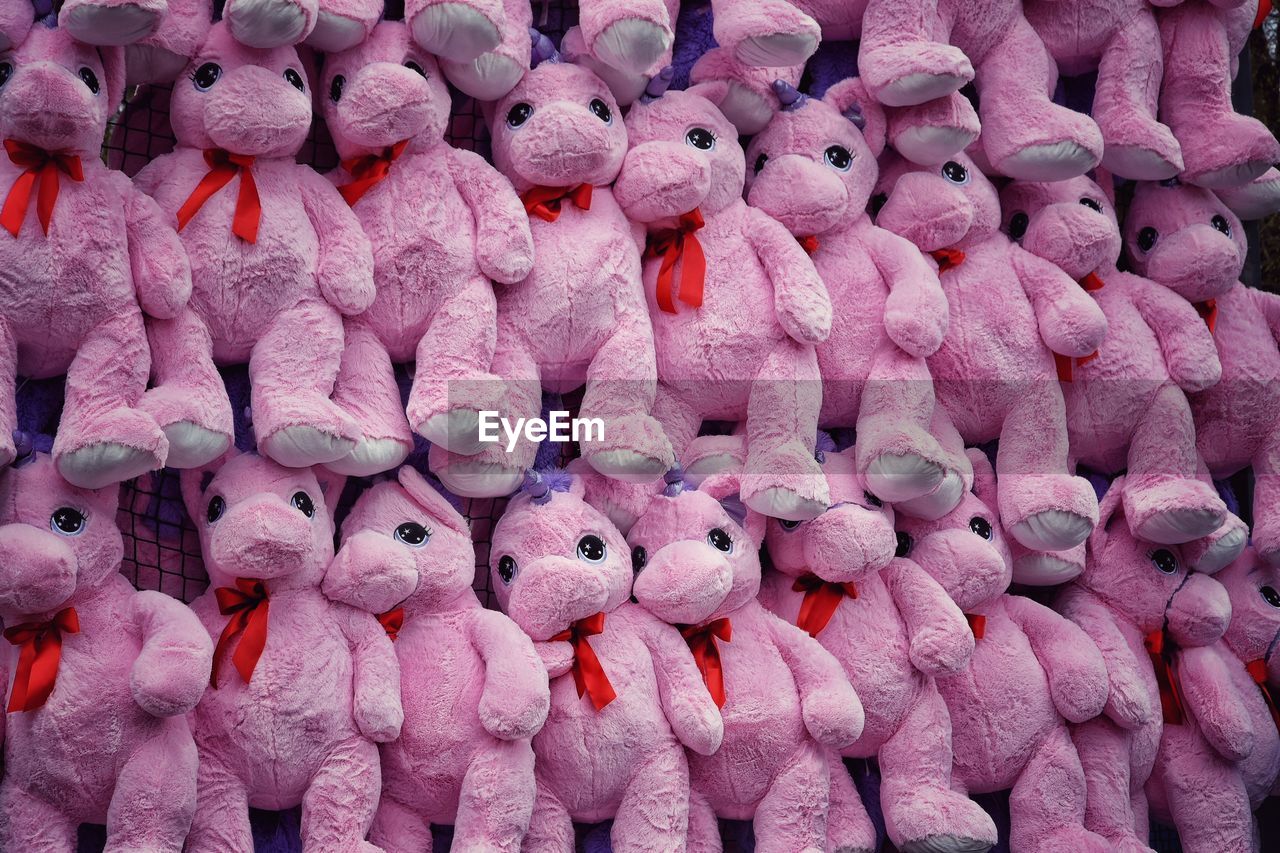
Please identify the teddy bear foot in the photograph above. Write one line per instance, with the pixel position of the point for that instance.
(713, 454)
(481, 476)
(111, 23)
(270, 23)
(116, 447)
(931, 132)
(1239, 149)
(196, 421)
(937, 503)
(458, 32)
(1219, 549)
(631, 449)
(906, 75)
(775, 50)
(1045, 568)
(1049, 161)
(371, 456)
(895, 477)
(1170, 511)
(336, 33)
(1140, 163)
(786, 483)
(191, 445)
(632, 44)
(488, 77)
(303, 446)
(946, 844)
(1048, 512)
(965, 827)
(457, 431)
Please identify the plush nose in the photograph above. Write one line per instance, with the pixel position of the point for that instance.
(37, 569)
(1199, 612)
(684, 583)
(806, 197)
(263, 538)
(1198, 262)
(256, 112)
(662, 179)
(967, 566)
(552, 593)
(847, 542)
(48, 106)
(562, 146)
(372, 572)
(1074, 237)
(926, 211)
(383, 105)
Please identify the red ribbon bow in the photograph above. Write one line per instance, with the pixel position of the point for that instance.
(706, 654)
(1264, 9)
(1208, 311)
(948, 259)
(392, 621)
(977, 624)
(223, 166)
(1065, 364)
(679, 244)
(1166, 677)
(39, 658)
(369, 171)
(247, 605)
(821, 598)
(42, 168)
(544, 202)
(1258, 672)
(588, 674)
(809, 244)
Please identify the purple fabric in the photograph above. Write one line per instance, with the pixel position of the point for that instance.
(693, 38)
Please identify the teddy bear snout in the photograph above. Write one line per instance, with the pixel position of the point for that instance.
(1074, 237)
(662, 179)
(1199, 612)
(967, 566)
(48, 106)
(256, 112)
(564, 145)
(927, 211)
(553, 592)
(371, 571)
(684, 583)
(807, 197)
(37, 569)
(848, 542)
(384, 104)
(262, 538)
(1198, 262)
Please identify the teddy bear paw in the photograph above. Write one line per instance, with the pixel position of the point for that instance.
(956, 825)
(632, 44)
(895, 477)
(1139, 148)
(191, 445)
(1048, 512)
(110, 23)
(336, 33)
(904, 75)
(459, 32)
(1239, 149)
(935, 504)
(302, 446)
(1170, 510)
(270, 23)
(118, 446)
(457, 431)
(488, 77)
(1219, 549)
(485, 475)
(371, 456)
(1046, 568)
(786, 483)
(631, 449)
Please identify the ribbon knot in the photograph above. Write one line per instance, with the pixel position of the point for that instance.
(369, 171)
(706, 654)
(948, 259)
(1257, 670)
(545, 202)
(41, 175)
(39, 657)
(223, 166)
(392, 621)
(248, 606)
(1208, 311)
(679, 244)
(977, 624)
(588, 674)
(1160, 651)
(809, 244)
(821, 598)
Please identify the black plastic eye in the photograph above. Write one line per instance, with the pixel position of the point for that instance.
(302, 503)
(787, 524)
(839, 157)
(981, 526)
(701, 138)
(591, 548)
(336, 86)
(601, 110)
(519, 114)
(760, 161)
(1219, 223)
(872, 499)
(905, 543)
(1018, 225)
(415, 68)
(639, 556)
(1164, 560)
(720, 540)
(878, 201)
(954, 172)
(6, 71)
(1147, 238)
(412, 534)
(66, 521)
(1092, 203)
(1270, 596)
(217, 506)
(90, 79)
(294, 79)
(507, 569)
(206, 75)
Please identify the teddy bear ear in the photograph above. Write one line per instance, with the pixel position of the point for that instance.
(726, 488)
(850, 98)
(436, 504)
(193, 482)
(984, 478)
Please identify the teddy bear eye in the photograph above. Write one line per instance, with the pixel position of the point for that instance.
(877, 203)
(1092, 203)
(980, 526)
(787, 524)
(90, 79)
(760, 161)
(1164, 560)
(839, 157)
(507, 569)
(206, 75)
(415, 68)
(591, 548)
(1018, 225)
(336, 86)
(518, 114)
(955, 173)
(1270, 596)
(67, 521)
(720, 540)
(294, 79)
(302, 503)
(412, 534)
(217, 506)
(639, 556)
(1219, 223)
(904, 544)
(6, 71)
(601, 110)
(701, 138)
(872, 499)
(1147, 238)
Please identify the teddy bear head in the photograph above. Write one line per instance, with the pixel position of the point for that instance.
(965, 550)
(696, 552)
(1070, 223)
(1185, 238)
(259, 520)
(243, 100)
(813, 167)
(382, 92)
(554, 559)
(55, 539)
(57, 94)
(952, 205)
(1254, 633)
(684, 155)
(559, 127)
(851, 539)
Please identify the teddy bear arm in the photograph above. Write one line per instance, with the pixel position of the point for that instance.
(800, 298)
(916, 313)
(344, 269)
(1129, 703)
(556, 656)
(504, 243)
(1214, 701)
(939, 636)
(376, 675)
(161, 271)
(694, 718)
(1077, 673)
(1070, 321)
(172, 670)
(151, 176)
(1185, 340)
(832, 710)
(516, 695)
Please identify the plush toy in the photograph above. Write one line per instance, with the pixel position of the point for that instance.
(1011, 312)
(736, 304)
(912, 54)
(1138, 602)
(1202, 43)
(474, 690)
(1222, 760)
(893, 629)
(579, 317)
(302, 689)
(277, 257)
(83, 256)
(101, 676)
(442, 223)
(751, 100)
(328, 25)
(1126, 406)
(1185, 238)
(1026, 657)
(625, 693)
(814, 169)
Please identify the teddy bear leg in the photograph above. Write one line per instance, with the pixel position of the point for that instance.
(399, 829)
(29, 824)
(270, 23)
(1135, 145)
(550, 827)
(187, 397)
(155, 795)
(897, 456)
(654, 811)
(494, 73)
(456, 30)
(781, 478)
(1266, 498)
(1207, 797)
(221, 822)
(496, 803)
(340, 802)
(8, 388)
(849, 828)
(1103, 749)
(764, 32)
(628, 36)
(957, 477)
(292, 370)
(366, 389)
(674, 409)
(792, 815)
(1046, 805)
(712, 454)
(1024, 134)
(901, 59)
(931, 132)
(343, 24)
(921, 810)
(111, 22)
(704, 827)
(1164, 501)
(102, 439)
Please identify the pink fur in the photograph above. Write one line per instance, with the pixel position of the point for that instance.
(750, 101)
(16, 17)
(772, 33)
(161, 56)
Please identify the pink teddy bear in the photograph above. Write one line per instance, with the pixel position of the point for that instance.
(737, 306)
(626, 696)
(277, 256)
(1138, 602)
(1026, 657)
(814, 170)
(893, 629)
(443, 223)
(1126, 407)
(1011, 314)
(303, 690)
(101, 677)
(474, 690)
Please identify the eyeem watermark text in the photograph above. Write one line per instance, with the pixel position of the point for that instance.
(557, 427)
